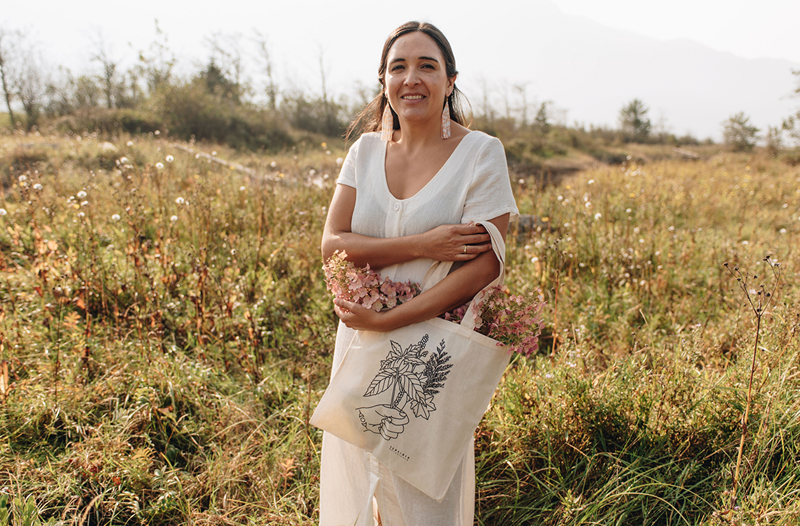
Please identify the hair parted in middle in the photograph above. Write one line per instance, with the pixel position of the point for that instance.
(369, 119)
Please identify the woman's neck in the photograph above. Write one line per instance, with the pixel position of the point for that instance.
(414, 136)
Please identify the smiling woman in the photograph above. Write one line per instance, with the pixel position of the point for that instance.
(409, 195)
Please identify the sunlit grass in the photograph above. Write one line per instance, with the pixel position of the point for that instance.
(167, 332)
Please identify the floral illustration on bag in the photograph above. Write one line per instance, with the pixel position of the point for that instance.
(413, 379)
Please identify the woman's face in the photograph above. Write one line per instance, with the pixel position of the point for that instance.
(416, 78)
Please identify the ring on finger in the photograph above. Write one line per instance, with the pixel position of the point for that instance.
(465, 249)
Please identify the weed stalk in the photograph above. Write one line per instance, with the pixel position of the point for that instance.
(758, 305)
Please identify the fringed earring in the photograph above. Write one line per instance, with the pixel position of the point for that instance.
(446, 120)
(387, 123)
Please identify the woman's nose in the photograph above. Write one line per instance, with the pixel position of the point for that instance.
(411, 78)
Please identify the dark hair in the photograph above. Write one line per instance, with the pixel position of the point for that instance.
(370, 117)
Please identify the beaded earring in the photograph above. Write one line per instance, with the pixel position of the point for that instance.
(387, 123)
(446, 121)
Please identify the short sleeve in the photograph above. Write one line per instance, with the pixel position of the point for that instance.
(347, 176)
(489, 194)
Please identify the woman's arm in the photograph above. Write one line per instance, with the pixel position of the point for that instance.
(443, 243)
(453, 291)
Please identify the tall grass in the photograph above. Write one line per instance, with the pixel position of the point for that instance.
(167, 333)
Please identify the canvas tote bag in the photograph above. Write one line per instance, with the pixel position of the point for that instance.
(414, 396)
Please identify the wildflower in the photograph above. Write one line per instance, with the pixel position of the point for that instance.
(327, 152)
(170, 158)
(548, 376)
(123, 160)
(3, 212)
(84, 203)
(591, 181)
(159, 165)
(37, 186)
(81, 214)
(157, 132)
(180, 200)
(22, 178)
(597, 216)
(363, 285)
(745, 242)
(130, 143)
(339, 161)
(242, 188)
(81, 194)
(115, 217)
(588, 204)
(173, 218)
(312, 172)
(628, 211)
(783, 231)
(534, 259)
(214, 153)
(521, 181)
(273, 164)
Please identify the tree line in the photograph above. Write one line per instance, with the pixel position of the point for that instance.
(235, 97)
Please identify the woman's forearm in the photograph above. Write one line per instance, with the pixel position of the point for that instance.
(455, 290)
(378, 252)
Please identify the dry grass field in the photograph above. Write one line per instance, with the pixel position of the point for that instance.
(165, 333)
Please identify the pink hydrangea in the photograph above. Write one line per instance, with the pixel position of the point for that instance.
(513, 320)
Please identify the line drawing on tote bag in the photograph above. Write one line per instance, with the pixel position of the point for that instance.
(409, 385)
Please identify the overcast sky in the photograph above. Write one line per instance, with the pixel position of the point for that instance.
(348, 35)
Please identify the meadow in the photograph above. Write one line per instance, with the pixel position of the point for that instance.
(165, 333)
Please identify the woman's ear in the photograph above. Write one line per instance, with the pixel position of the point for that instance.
(451, 84)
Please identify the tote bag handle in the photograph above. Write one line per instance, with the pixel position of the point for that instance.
(439, 270)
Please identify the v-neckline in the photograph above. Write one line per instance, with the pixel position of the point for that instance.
(441, 169)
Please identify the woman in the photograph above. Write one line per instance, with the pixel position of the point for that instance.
(407, 197)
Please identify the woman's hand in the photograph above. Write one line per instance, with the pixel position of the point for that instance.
(359, 318)
(456, 242)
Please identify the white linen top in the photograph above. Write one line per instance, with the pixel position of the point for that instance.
(472, 185)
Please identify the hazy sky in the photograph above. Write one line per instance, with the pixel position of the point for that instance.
(348, 35)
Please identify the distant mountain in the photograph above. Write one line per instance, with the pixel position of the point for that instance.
(591, 70)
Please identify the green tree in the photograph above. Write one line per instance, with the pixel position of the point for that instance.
(634, 122)
(542, 120)
(791, 125)
(5, 70)
(739, 133)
